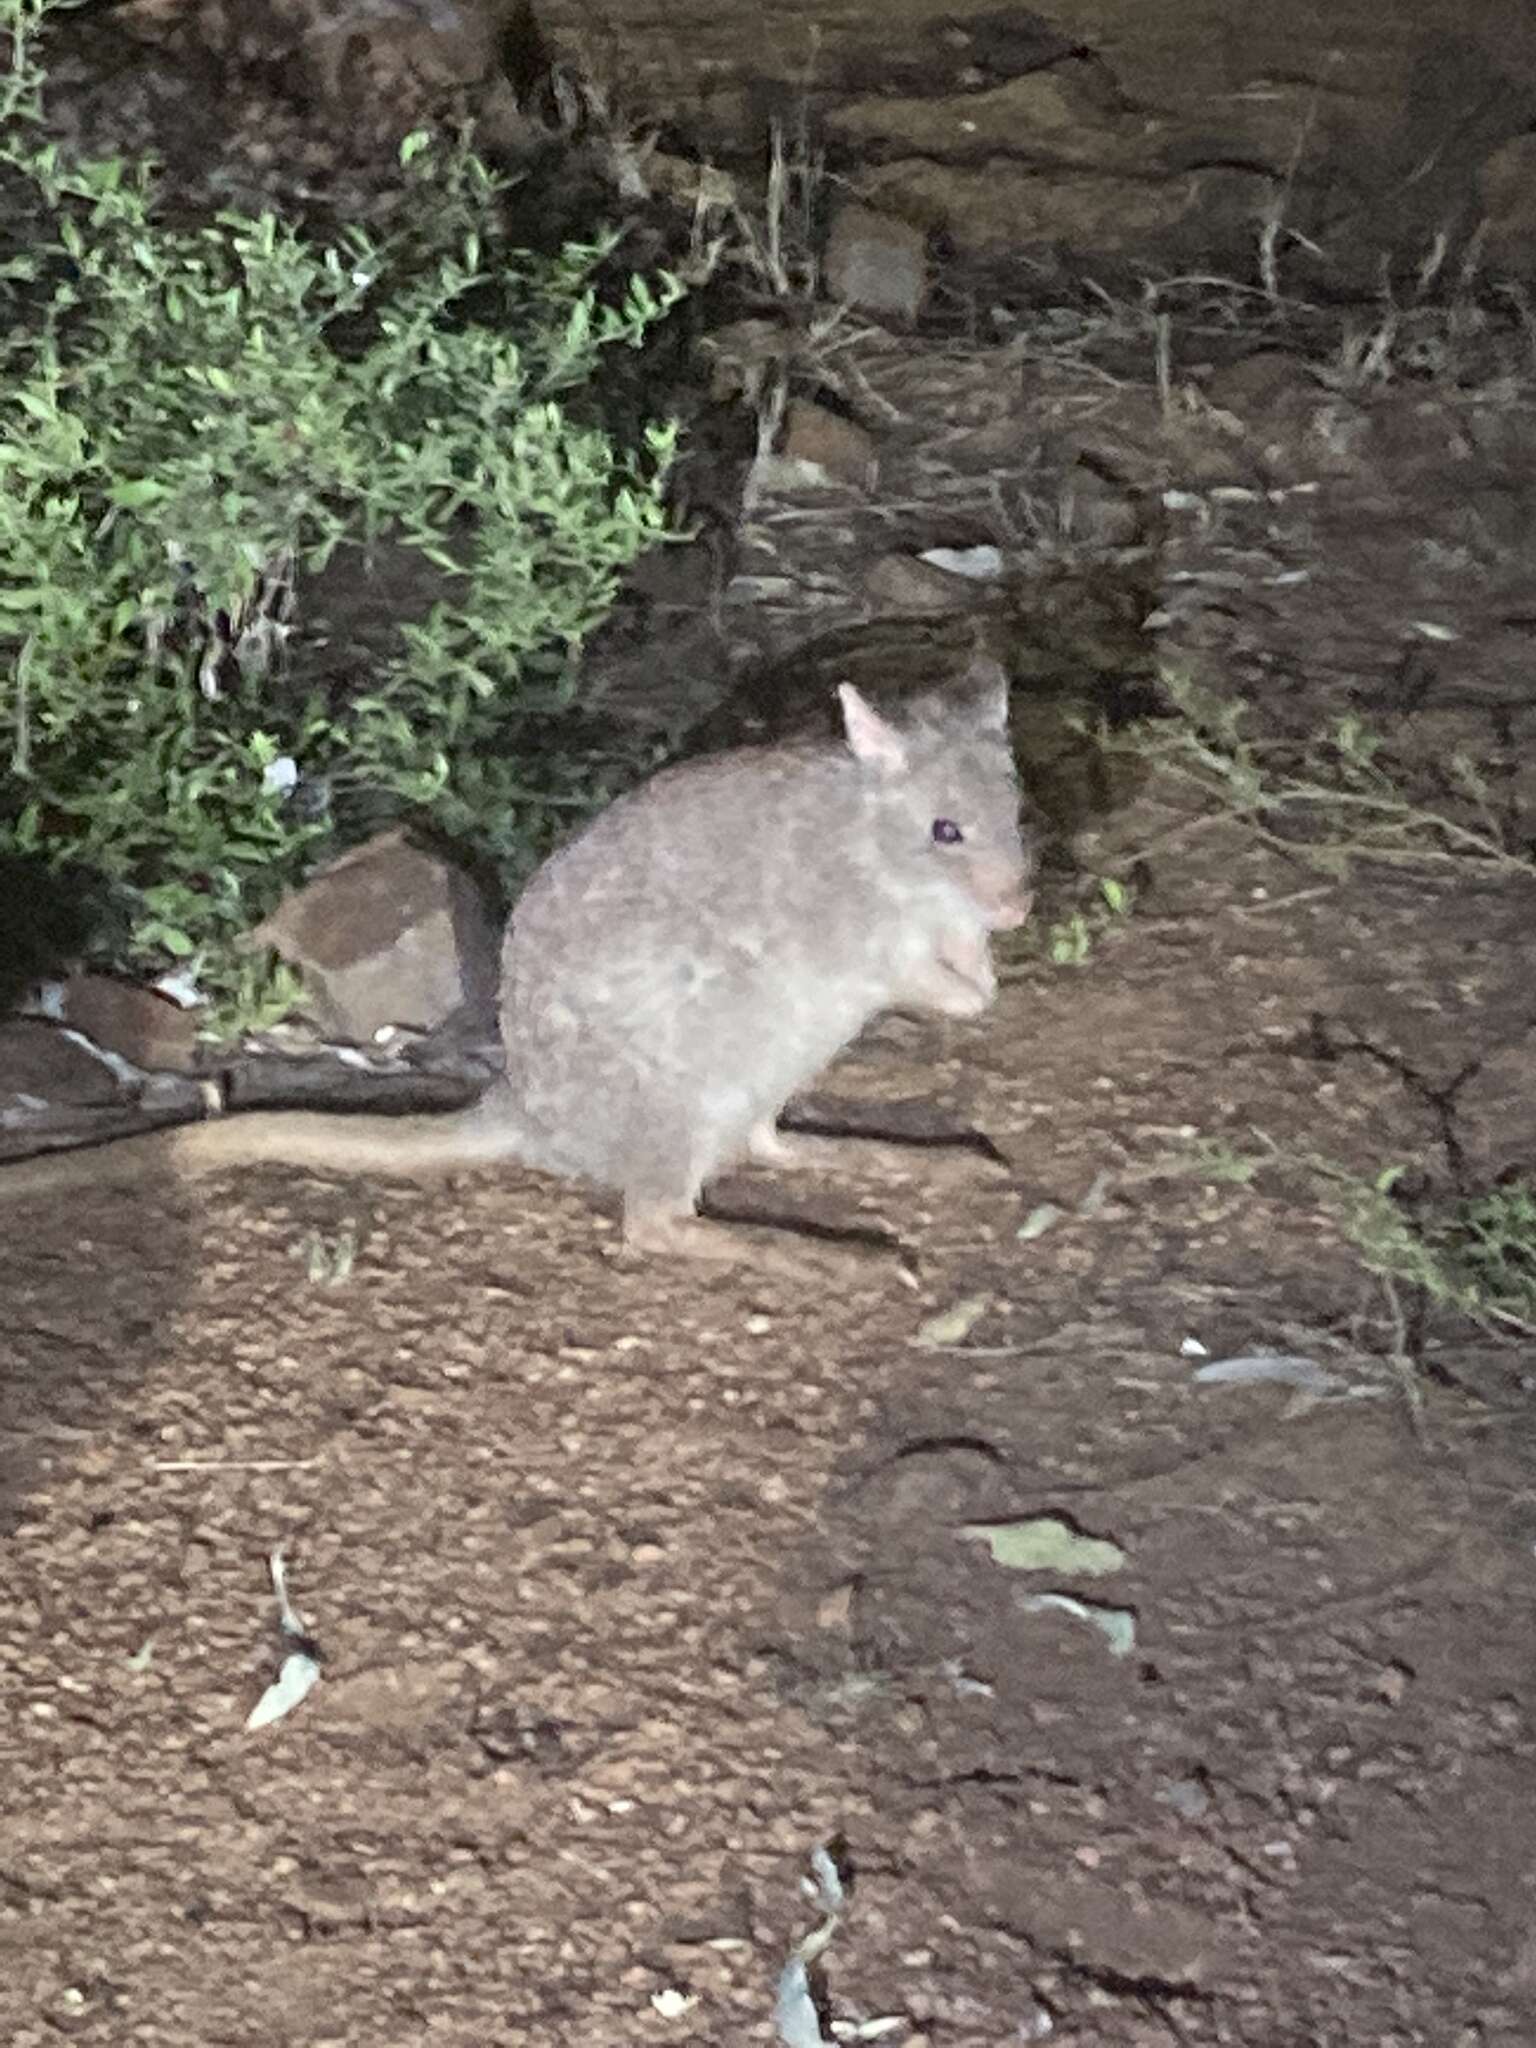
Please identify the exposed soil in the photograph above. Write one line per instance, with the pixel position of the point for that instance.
(632, 1588)
(635, 1586)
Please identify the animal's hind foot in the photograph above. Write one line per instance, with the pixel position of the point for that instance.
(938, 1165)
(758, 1248)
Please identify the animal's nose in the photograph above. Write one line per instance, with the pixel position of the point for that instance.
(1003, 891)
(1011, 909)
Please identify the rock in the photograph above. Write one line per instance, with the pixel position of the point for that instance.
(876, 262)
(679, 576)
(388, 934)
(1262, 380)
(1045, 119)
(132, 1021)
(1397, 110)
(1010, 439)
(745, 357)
(822, 446)
(324, 1081)
(901, 583)
(1097, 511)
(1292, 423)
(1109, 1928)
(1002, 208)
(40, 1064)
(360, 56)
(818, 450)
(684, 182)
(1506, 186)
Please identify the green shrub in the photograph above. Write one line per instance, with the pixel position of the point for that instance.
(194, 419)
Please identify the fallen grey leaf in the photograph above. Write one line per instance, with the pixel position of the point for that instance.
(952, 1325)
(289, 1619)
(794, 2009)
(119, 1068)
(47, 1000)
(1212, 579)
(1117, 1625)
(824, 1884)
(1093, 1202)
(1188, 1798)
(301, 1670)
(1038, 1222)
(1281, 1369)
(1045, 1543)
(295, 1682)
(980, 564)
(962, 1682)
(179, 986)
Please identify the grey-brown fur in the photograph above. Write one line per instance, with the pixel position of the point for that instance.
(692, 959)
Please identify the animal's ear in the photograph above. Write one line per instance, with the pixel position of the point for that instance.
(870, 738)
(986, 690)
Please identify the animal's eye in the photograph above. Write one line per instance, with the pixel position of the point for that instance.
(946, 832)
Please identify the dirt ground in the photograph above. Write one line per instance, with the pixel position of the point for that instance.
(635, 1587)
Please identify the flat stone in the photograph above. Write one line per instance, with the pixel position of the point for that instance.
(390, 934)
(42, 1065)
(450, 44)
(1103, 514)
(821, 446)
(1054, 118)
(901, 583)
(1107, 1927)
(684, 181)
(876, 262)
(1002, 208)
(1506, 187)
(132, 1021)
(1260, 381)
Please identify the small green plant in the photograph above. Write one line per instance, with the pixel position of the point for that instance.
(1487, 1243)
(249, 991)
(1332, 800)
(328, 1261)
(195, 422)
(1072, 939)
(1475, 1253)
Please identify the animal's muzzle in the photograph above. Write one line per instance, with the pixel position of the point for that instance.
(1003, 894)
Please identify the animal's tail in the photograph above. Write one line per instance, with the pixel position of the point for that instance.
(398, 1147)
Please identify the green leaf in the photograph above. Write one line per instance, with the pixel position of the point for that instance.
(145, 490)
(1045, 1543)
